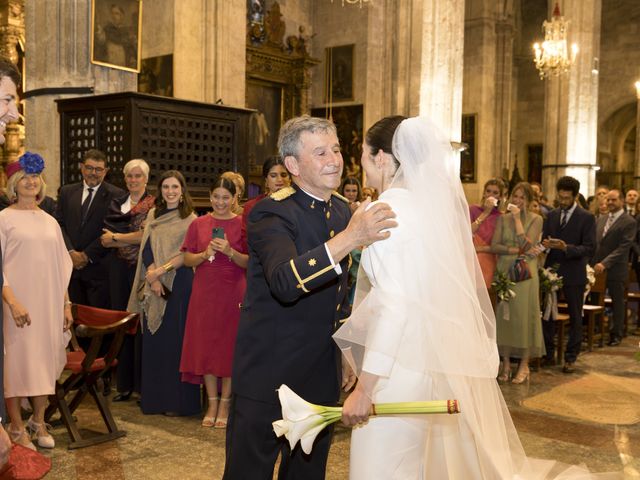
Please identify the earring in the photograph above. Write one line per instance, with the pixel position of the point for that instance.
(181, 198)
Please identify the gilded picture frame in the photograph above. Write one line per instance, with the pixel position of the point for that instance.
(116, 34)
(339, 63)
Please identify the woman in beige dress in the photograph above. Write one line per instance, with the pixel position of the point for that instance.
(37, 311)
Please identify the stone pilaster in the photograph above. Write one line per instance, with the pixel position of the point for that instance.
(209, 51)
(571, 103)
(58, 42)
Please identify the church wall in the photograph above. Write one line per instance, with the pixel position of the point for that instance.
(157, 28)
(334, 26)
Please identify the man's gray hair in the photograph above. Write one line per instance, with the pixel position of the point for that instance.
(289, 138)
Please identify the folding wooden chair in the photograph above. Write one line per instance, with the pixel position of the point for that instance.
(86, 368)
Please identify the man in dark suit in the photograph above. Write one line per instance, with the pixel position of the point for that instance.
(570, 235)
(80, 212)
(9, 80)
(299, 240)
(615, 234)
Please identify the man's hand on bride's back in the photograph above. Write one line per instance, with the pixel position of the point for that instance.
(370, 223)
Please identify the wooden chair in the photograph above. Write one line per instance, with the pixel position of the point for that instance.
(562, 324)
(593, 312)
(86, 369)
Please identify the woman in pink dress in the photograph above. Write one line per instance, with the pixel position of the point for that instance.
(214, 245)
(37, 311)
(483, 223)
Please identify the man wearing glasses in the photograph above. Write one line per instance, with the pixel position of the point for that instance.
(80, 213)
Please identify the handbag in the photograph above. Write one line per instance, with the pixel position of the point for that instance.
(519, 271)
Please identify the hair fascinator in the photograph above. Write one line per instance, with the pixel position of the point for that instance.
(30, 163)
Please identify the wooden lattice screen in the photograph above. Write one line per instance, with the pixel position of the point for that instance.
(198, 139)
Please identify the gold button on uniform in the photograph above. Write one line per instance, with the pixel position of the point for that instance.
(332, 233)
(328, 214)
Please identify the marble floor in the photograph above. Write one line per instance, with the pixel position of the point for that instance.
(603, 433)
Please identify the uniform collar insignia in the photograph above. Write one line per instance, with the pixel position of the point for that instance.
(282, 193)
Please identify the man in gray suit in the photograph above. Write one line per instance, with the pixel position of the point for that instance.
(615, 234)
(9, 80)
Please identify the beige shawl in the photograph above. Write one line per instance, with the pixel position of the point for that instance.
(166, 235)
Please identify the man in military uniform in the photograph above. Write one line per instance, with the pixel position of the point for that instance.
(299, 241)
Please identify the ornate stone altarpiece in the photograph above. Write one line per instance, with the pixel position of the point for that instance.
(12, 47)
(278, 79)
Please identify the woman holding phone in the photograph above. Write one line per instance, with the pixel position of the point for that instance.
(519, 333)
(215, 246)
(161, 291)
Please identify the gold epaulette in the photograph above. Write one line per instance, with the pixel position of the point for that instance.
(337, 195)
(282, 193)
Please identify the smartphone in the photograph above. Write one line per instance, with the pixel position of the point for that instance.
(217, 232)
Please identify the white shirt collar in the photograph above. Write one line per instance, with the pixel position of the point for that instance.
(85, 187)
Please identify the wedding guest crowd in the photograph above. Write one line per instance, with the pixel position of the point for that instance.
(187, 277)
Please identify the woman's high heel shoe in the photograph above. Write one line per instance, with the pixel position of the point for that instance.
(505, 375)
(40, 432)
(210, 422)
(21, 437)
(521, 377)
(222, 422)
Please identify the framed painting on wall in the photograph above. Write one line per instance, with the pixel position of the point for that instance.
(156, 76)
(468, 156)
(348, 121)
(339, 73)
(116, 27)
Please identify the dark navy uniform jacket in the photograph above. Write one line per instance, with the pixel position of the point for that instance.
(293, 299)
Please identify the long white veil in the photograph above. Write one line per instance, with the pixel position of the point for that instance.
(434, 316)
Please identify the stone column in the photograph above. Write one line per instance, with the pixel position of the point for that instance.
(571, 103)
(210, 50)
(58, 46)
(441, 63)
(502, 94)
(636, 177)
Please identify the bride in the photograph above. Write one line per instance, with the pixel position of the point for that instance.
(423, 328)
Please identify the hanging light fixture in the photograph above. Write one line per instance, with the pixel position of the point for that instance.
(353, 2)
(553, 57)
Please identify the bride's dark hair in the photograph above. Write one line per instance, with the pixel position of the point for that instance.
(380, 135)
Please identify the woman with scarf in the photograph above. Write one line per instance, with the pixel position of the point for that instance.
(162, 288)
(124, 225)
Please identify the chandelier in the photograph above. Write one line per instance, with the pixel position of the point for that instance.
(352, 2)
(552, 58)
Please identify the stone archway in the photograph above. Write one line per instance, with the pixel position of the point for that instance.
(616, 147)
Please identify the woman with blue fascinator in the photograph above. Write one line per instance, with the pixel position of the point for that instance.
(37, 311)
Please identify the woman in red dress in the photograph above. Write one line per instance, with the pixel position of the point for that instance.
(214, 245)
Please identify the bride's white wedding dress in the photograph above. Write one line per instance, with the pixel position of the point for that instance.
(423, 323)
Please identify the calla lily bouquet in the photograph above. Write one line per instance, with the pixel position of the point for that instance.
(303, 421)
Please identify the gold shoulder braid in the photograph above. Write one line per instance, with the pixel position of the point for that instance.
(282, 193)
(337, 195)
